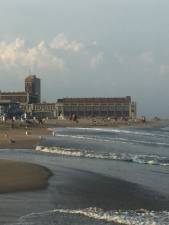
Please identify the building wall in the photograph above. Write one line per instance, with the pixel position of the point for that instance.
(97, 110)
(98, 107)
(114, 108)
(9, 108)
(20, 97)
(133, 112)
(33, 87)
(42, 110)
(32, 93)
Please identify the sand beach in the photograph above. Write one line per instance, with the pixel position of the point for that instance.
(21, 176)
(124, 183)
(21, 138)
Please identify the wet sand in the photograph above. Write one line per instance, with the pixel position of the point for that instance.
(83, 189)
(19, 176)
(16, 176)
(18, 139)
(76, 188)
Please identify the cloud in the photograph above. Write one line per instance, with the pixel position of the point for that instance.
(121, 58)
(8, 51)
(17, 58)
(61, 42)
(15, 55)
(97, 60)
(42, 58)
(147, 57)
(164, 69)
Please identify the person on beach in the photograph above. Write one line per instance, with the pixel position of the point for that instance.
(12, 123)
(4, 119)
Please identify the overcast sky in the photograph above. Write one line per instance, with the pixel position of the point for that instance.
(91, 48)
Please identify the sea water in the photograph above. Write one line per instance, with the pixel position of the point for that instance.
(100, 176)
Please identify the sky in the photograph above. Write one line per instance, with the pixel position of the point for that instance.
(91, 48)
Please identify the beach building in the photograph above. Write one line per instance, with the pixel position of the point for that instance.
(33, 89)
(85, 108)
(30, 102)
(32, 93)
(9, 108)
(98, 107)
(20, 97)
(42, 110)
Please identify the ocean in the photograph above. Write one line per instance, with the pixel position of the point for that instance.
(100, 176)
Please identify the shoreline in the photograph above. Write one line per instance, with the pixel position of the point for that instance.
(105, 123)
(28, 137)
(22, 176)
(17, 138)
(16, 176)
(69, 182)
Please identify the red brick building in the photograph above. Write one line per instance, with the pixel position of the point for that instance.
(98, 107)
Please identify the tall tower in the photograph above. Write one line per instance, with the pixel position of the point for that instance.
(33, 88)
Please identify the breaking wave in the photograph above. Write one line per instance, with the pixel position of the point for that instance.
(121, 131)
(131, 217)
(113, 139)
(127, 157)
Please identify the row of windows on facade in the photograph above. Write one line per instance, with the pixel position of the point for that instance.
(97, 108)
(83, 107)
(44, 107)
(97, 113)
(15, 98)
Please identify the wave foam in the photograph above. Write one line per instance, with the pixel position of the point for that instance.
(141, 159)
(131, 217)
(124, 131)
(114, 139)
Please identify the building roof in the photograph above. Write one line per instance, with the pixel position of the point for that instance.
(95, 100)
(18, 93)
(3, 102)
(30, 78)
